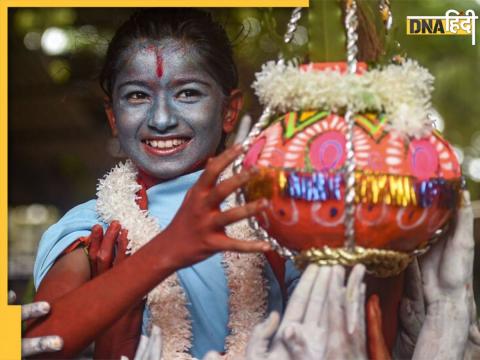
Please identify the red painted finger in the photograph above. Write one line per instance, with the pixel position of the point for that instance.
(223, 219)
(96, 237)
(105, 254)
(122, 242)
(376, 342)
(225, 188)
(243, 246)
(216, 165)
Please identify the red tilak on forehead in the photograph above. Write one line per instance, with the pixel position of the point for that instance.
(159, 64)
(159, 61)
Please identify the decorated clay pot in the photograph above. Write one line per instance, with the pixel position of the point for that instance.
(406, 187)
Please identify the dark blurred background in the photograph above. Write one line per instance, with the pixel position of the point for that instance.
(59, 142)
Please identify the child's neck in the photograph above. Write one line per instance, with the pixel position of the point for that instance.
(147, 180)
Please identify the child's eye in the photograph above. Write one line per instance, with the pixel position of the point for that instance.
(189, 95)
(137, 97)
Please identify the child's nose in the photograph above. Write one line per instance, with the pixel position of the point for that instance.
(162, 118)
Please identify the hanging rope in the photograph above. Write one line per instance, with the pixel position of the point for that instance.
(351, 25)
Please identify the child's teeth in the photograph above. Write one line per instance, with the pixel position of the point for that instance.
(165, 144)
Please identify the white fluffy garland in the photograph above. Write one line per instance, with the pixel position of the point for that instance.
(116, 194)
(402, 92)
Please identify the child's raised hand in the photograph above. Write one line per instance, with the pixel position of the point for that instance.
(198, 229)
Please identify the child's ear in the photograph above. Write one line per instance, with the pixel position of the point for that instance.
(107, 104)
(232, 111)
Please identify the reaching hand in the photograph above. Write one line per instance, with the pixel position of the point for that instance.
(199, 225)
(437, 312)
(411, 313)
(150, 347)
(324, 319)
(447, 269)
(37, 345)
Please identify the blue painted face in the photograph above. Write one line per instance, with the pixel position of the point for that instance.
(167, 110)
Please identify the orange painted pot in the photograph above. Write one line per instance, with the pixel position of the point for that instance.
(406, 188)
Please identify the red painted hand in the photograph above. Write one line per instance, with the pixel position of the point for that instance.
(198, 229)
(377, 347)
(106, 251)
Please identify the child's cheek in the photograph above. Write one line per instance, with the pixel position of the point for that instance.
(130, 118)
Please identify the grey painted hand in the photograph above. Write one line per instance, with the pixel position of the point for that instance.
(438, 311)
(32, 346)
(324, 319)
(332, 323)
(257, 347)
(411, 313)
(473, 345)
(150, 348)
(258, 343)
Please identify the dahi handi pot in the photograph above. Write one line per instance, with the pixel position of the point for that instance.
(406, 188)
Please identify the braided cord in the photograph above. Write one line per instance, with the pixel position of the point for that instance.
(351, 25)
(292, 25)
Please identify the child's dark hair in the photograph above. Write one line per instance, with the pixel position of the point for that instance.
(192, 26)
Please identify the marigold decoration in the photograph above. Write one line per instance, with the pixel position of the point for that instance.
(403, 178)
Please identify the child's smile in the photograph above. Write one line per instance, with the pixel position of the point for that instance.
(167, 109)
(166, 146)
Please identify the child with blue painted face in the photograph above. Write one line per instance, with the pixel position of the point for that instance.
(171, 98)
